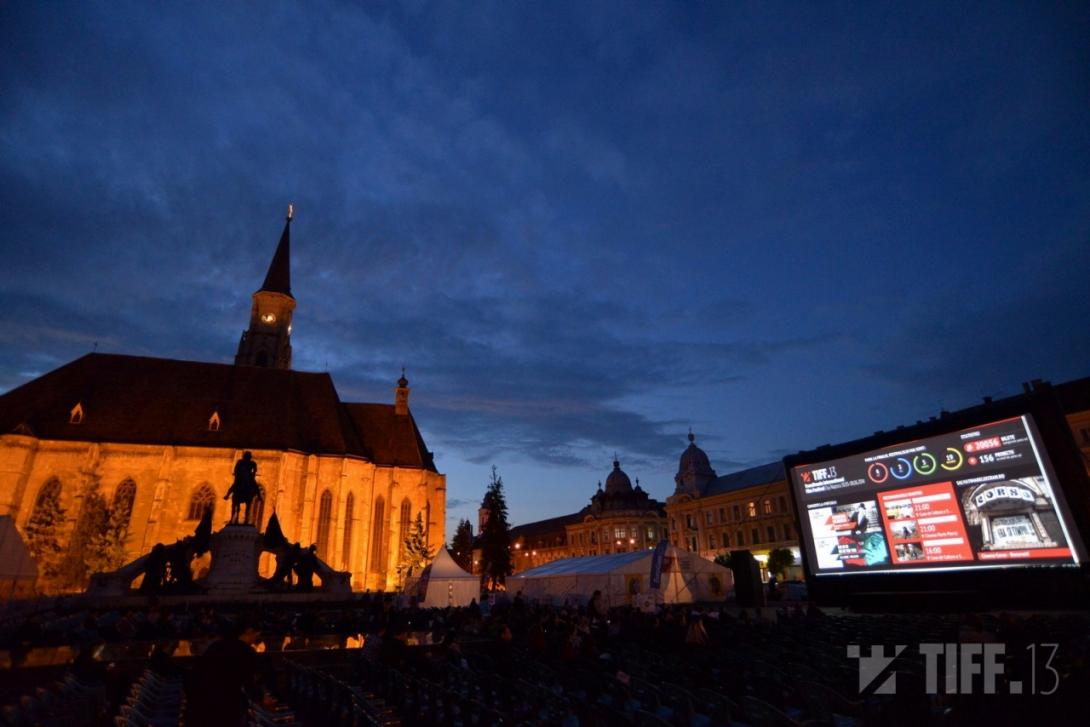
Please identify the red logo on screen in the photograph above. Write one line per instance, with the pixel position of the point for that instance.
(805, 474)
(983, 444)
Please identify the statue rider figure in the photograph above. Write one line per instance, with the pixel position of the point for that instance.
(244, 489)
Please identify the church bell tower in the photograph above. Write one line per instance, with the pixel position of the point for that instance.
(267, 342)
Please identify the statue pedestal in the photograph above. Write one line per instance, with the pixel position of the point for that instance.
(235, 552)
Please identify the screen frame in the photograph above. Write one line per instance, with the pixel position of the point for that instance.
(1062, 462)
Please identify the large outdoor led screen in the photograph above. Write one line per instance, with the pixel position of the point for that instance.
(978, 498)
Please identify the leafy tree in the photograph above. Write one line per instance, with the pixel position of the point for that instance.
(495, 538)
(417, 554)
(461, 545)
(43, 532)
(779, 560)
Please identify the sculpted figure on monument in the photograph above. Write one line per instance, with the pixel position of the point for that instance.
(244, 489)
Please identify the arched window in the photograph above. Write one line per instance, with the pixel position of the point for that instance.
(325, 520)
(376, 535)
(403, 528)
(257, 508)
(768, 507)
(124, 496)
(751, 508)
(51, 490)
(204, 498)
(346, 547)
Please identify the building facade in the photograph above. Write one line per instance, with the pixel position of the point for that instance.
(748, 510)
(162, 436)
(620, 518)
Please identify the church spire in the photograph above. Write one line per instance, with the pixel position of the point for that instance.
(267, 342)
(278, 279)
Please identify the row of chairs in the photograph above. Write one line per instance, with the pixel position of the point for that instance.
(153, 701)
(67, 702)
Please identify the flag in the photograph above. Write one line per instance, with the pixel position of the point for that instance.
(656, 564)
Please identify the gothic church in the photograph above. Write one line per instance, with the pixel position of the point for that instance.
(164, 435)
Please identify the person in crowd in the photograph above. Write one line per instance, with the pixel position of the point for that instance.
(223, 678)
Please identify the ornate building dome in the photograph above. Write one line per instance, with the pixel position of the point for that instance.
(694, 470)
(618, 483)
(694, 460)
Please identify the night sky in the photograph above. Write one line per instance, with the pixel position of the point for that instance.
(583, 228)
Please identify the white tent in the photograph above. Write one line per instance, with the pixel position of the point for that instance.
(625, 579)
(17, 569)
(443, 583)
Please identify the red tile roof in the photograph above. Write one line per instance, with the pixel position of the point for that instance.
(134, 399)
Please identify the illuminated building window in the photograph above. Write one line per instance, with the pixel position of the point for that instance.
(75, 416)
(214, 422)
(403, 528)
(203, 499)
(325, 520)
(767, 507)
(376, 535)
(124, 496)
(751, 508)
(257, 508)
(51, 490)
(347, 545)
(708, 515)
(619, 533)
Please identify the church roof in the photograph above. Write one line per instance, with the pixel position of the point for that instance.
(142, 400)
(388, 437)
(278, 279)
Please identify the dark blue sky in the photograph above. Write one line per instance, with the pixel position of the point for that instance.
(583, 227)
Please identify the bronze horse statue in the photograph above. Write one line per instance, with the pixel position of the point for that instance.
(244, 489)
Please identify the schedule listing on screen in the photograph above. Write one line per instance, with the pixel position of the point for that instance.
(982, 497)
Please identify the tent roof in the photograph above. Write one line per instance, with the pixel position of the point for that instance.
(15, 561)
(587, 565)
(443, 566)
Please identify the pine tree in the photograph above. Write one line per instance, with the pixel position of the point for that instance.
(495, 538)
(83, 548)
(106, 551)
(417, 554)
(461, 546)
(84, 543)
(43, 532)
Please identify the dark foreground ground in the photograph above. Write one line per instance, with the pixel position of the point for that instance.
(366, 663)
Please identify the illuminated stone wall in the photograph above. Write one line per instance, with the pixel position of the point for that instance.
(166, 478)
